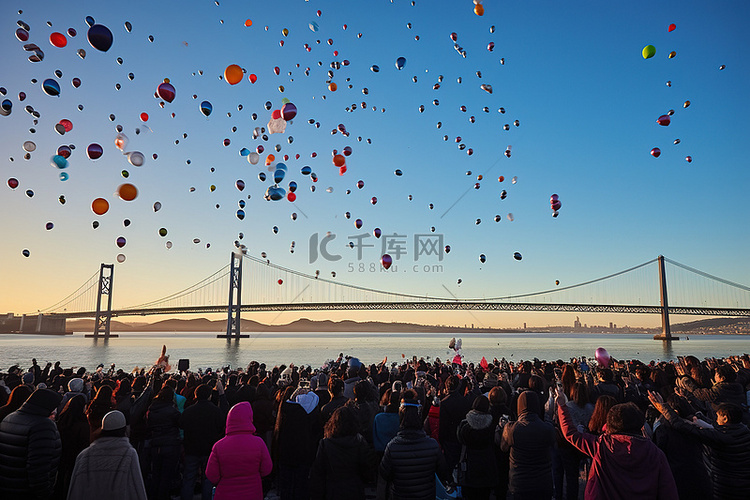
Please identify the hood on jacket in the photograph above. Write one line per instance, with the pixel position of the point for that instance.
(18, 395)
(41, 402)
(478, 420)
(240, 419)
(528, 403)
(308, 401)
(75, 385)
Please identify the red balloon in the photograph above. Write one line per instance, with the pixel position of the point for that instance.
(280, 281)
(342, 170)
(13, 183)
(386, 261)
(276, 114)
(252, 78)
(663, 120)
(58, 40)
(672, 27)
(358, 223)
(291, 197)
(689, 159)
(339, 160)
(166, 91)
(276, 70)
(656, 152)
(144, 117)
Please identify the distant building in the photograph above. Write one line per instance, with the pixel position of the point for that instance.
(576, 324)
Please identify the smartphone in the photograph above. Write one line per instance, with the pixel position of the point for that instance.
(304, 384)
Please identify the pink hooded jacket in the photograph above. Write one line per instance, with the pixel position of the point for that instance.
(239, 460)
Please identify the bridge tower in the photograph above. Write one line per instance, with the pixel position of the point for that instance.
(235, 299)
(103, 318)
(666, 334)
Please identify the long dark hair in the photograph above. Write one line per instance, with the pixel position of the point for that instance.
(599, 417)
(342, 423)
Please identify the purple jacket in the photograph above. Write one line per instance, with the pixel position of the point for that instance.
(624, 466)
(239, 460)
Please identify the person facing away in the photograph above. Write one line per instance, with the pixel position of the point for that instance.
(727, 447)
(625, 465)
(476, 433)
(239, 460)
(203, 425)
(30, 448)
(411, 460)
(344, 461)
(109, 467)
(75, 437)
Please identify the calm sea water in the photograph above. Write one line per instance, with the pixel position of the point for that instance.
(205, 350)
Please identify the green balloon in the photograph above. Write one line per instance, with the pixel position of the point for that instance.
(649, 51)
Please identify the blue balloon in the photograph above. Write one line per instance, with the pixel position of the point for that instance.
(64, 176)
(59, 162)
(306, 170)
(240, 214)
(51, 87)
(400, 63)
(292, 186)
(244, 152)
(206, 108)
(278, 175)
(262, 176)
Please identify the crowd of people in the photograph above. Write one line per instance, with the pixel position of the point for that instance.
(417, 429)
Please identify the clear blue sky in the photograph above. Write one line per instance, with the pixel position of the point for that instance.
(586, 100)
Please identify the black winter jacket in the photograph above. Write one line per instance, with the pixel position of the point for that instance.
(727, 453)
(342, 467)
(30, 448)
(530, 441)
(685, 456)
(203, 424)
(163, 423)
(410, 463)
(477, 433)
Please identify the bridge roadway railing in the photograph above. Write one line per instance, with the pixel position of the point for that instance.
(427, 305)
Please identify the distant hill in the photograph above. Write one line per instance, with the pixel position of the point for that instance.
(300, 325)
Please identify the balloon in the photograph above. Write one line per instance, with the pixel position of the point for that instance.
(358, 223)
(100, 37)
(121, 258)
(278, 175)
(339, 160)
(59, 162)
(482, 258)
(248, 22)
(398, 172)
(517, 256)
(157, 206)
(648, 51)
(400, 63)
(66, 124)
(26, 252)
(127, 192)
(291, 197)
(671, 27)
(332, 86)
(722, 67)
(51, 87)
(136, 158)
(100, 206)
(94, 151)
(240, 184)
(253, 158)
(689, 159)
(206, 108)
(6, 107)
(280, 281)
(233, 74)
(313, 26)
(144, 117)
(252, 78)
(58, 39)
(288, 111)
(120, 241)
(602, 357)
(375, 68)
(240, 214)
(360, 184)
(672, 54)
(13, 183)
(386, 261)
(374, 200)
(121, 141)
(663, 120)
(686, 104)
(29, 146)
(166, 91)
(656, 152)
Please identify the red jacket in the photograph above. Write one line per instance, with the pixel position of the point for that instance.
(624, 466)
(239, 460)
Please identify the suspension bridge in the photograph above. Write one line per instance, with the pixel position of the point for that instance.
(641, 289)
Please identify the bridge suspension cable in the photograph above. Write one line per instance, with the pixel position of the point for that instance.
(75, 297)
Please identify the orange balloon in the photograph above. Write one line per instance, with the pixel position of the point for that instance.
(127, 192)
(332, 86)
(248, 22)
(500, 179)
(339, 160)
(100, 206)
(479, 9)
(233, 74)
(270, 159)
